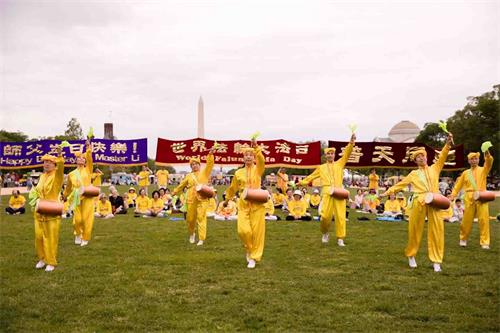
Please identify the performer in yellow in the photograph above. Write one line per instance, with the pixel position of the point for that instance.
(424, 180)
(282, 180)
(143, 177)
(373, 178)
(83, 208)
(97, 177)
(162, 178)
(471, 180)
(196, 205)
(47, 226)
(251, 216)
(331, 174)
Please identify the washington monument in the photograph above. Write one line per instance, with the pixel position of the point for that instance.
(201, 119)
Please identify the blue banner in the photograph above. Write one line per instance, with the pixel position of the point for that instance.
(19, 155)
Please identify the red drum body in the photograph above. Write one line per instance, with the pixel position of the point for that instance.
(255, 195)
(48, 207)
(205, 191)
(339, 193)
(437, 200)
(484, 196)
(91, 191)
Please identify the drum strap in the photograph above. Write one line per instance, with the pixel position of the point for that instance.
(423, 179)
(33, 197)
(472, 180)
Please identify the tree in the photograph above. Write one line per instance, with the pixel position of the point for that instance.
(6, 136)
(432, 135)
(73, 131)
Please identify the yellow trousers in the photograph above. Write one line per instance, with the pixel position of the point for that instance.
(47, 238)
(330, 207)
(435, 228)
(481, 210)
(252, 228)
(196, 215)
(83, 219)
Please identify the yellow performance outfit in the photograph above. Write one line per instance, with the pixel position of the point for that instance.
(373, 178)
(251, 216)
(196, 205)
(144, 178)
(143, 204)
(471, 180)
(157, 205)
(83, 208)
(96, 179)
(282, 181)
(46, 226)
(162, 178)
(424, 180)
(331, 175)
(211, 206)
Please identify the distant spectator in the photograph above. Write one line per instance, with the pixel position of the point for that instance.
(117, 203)
(16, 204)
(104, 209)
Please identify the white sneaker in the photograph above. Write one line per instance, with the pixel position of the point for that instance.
(463, 243)
(192, 238)
(437, 267)
(40, 264)
(200, 242)
(485, 247)
(340, 242)
(84, 243)
(251, 263)
(325, 238)
(412, 262)
(78, 240)
(49, 268)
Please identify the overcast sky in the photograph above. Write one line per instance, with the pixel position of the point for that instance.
(297, 70)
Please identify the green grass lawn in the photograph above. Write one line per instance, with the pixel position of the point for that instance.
(143, 275)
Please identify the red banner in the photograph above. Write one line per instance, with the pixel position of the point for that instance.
(276, 152)
(395, 155)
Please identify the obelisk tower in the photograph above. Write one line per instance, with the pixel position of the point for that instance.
(201, 119)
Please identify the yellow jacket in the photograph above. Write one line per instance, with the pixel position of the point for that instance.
(282, 180)
(392, 206)
(423, 180)
(471, 175)
(373, 181)
(230, 210)
(297, 207)
(18, 202)
(162, 177)
(142, 203)
(96, 179)
(331, 174)
(278, 198)
(104, 208)
(144, 178)
(157, 204)
(315, 199)
(247, 177)
(49, 187)
(193, 179)
(269, 206)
